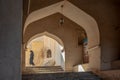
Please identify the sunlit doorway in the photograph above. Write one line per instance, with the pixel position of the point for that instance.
(44, 52)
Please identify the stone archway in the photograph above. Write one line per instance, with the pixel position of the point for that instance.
(75, 14)
(54, 37)
(78, 16)
(59, 57)
(39, 44)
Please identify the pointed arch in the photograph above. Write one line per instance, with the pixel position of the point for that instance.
(73, 13)
(57, 39)
(47, 34)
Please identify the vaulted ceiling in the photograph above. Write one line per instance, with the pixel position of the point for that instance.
(95, 8)
(44, 24)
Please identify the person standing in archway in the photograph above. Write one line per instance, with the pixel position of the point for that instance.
(31, 58)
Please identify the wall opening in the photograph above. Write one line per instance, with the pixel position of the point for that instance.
(44, 51)
(47, 52)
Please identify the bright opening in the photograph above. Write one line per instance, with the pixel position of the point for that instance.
(44, 51)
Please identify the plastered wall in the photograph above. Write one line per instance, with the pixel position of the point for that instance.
(10, 39)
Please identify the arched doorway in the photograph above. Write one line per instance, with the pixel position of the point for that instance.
(48, 51)
(49, 47)
(82, 19)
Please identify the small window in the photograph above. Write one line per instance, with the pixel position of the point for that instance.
(49, 53)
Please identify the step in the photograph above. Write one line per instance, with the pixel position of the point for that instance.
(45, 69)
(62, 76)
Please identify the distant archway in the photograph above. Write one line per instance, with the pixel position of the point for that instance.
(55, 58)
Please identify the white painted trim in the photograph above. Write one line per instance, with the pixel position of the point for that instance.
(93, 48)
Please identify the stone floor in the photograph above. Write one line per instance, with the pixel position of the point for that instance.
(43, 69)
(61, 76)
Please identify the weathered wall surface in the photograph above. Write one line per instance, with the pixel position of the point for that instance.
(94, 60)
(106, 13)
(10, 39)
